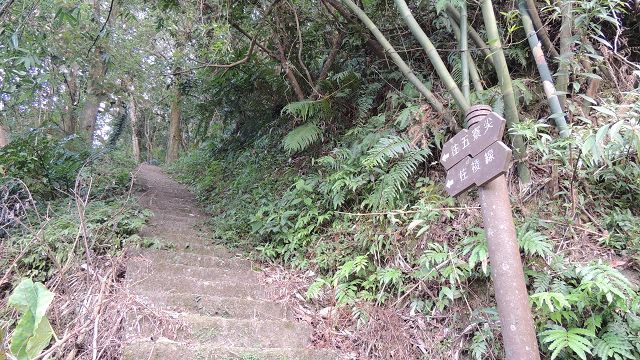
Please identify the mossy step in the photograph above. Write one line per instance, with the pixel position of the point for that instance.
(191, 242)
(222, 332)
(185, 284)
(226, 307)
(212, 259)
(139, 268)
(185, 351)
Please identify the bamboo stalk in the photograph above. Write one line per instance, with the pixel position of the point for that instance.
(404, 68)
(547, 81)
(432, 54)
(565, 51)
(473, 69)
(540, 28)
(504, 79)
(482, 46)
(464, 50)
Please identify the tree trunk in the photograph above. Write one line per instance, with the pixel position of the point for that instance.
(94, 96)
(4, 136)
(70, 118)
(90, 109)
(284, 62)
(464, 51)
(149, 137)
(175, 135)
(510, 105)
(133, 119)
(473, 69)
(97, 71)
(480, 44)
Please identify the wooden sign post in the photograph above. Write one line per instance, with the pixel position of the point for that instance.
(477, 157)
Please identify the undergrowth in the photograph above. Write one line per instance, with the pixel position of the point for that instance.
(66, 209)
(373, 222)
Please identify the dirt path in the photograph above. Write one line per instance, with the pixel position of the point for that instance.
(218, 298)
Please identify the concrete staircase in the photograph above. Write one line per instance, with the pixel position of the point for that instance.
(218, 297)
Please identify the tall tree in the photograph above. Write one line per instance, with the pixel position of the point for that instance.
(133, 120)
(70, 115)
(99, 57)
(175, 130)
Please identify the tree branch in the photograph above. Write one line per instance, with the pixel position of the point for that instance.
(336, 42)
(102, 28)
(223, 66)
(304, 67)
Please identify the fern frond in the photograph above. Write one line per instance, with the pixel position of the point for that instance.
(301, 137)
(613, 344)
(574, 339)
(392, 185)
(387, 148)
(364, 103)
(535, 243)
(404, 118)
(308, 109)
(399, 174)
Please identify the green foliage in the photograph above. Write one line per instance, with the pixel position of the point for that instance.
(574, 339)
(592, 311)
(111, 225)
(311, 112)
(301, 137)
(33, 331)
(45, 164)
(483, 343)
(535, 243)
(308, 109)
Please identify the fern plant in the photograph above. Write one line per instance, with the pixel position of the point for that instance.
(588, 311)
(560, 339)
(534, 243)
(392, 182)
(311, 112)
(614, 343)
(308, 109)
(301, 137)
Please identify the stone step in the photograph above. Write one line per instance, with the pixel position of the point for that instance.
(185, 218)
(225, 307)
(214, 258)
(221, 332)
(184, 284)
(186, 241)
(185, 351)
(139, 268)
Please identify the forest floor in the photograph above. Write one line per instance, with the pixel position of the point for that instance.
(220, 304)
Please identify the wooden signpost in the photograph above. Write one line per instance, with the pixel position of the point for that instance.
(478, 170)
(477, 157)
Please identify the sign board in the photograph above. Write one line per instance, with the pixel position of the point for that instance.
(472, 141)
(479, 169)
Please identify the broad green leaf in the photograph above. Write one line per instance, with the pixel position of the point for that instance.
(33, 331)
(40, 339)
(31, 296)
(20, 338)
